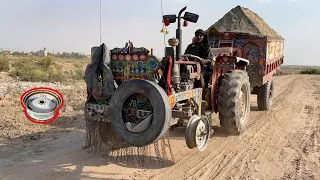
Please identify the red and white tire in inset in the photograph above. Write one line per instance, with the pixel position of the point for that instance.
(42, 105)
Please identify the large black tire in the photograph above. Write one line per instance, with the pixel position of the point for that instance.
(233, 118)
(265, 96)
(161, 112)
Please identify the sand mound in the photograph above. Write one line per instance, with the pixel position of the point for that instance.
(243, 20)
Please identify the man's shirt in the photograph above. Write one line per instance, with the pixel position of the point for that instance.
(202, 51)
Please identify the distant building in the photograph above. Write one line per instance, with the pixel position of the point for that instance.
(43, 53)
(6, 52)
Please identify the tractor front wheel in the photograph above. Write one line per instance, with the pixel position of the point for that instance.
(198, 132)
(234, 102)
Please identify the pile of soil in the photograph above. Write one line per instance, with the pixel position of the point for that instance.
(243, 20)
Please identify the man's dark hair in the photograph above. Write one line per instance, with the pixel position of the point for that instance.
(199, 31)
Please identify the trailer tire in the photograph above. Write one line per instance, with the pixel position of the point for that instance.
(234, 102)
(161, 116)
(265, 96)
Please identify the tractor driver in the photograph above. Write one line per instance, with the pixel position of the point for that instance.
(200, 47)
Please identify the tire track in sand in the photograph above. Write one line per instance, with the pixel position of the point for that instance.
(265, 133)
(268, 132)
(272, 151)
(213, 167)
(302, 166)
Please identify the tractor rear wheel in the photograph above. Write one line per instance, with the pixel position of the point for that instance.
(234, 102)
(140, 112)
(265, 96)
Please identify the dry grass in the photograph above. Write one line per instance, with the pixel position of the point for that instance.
(4, 64)
(294, 69)
(48, 69)
(311, 71)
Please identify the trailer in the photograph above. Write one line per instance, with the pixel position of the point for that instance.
(251, 38)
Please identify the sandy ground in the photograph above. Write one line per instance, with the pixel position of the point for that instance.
(282, 143)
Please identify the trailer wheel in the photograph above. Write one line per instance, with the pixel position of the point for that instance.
(139, 112)
(198, 132)
(234, 102)
(265, 96)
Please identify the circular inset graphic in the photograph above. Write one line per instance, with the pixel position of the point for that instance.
(41, 105)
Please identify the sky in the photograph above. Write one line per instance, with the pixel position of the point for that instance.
(74, 25)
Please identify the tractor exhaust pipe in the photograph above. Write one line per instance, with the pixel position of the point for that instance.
(175, 77)
(179, 34)
(176, 42)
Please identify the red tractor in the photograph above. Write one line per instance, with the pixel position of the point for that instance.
(230, 86)
(142, 97)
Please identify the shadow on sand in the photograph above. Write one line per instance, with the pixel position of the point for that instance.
(254, 108)
(97, 167)
(57, 153)
(179, 132)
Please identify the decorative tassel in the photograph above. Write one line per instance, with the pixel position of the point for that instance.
(167, 22)
(164, 29)
(185, 23)
(101, 139)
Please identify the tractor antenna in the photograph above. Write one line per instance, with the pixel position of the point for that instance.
(164, 35)
(100, 21)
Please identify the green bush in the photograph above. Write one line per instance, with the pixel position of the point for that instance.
(33, 69)
(43, 69)
(26, 74)
(24, 64)
(77, 65)
(45, 62)
(310, 71)
(57, 76)
(4, 64)
(79, 74)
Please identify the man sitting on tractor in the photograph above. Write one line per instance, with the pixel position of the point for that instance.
(200, 47)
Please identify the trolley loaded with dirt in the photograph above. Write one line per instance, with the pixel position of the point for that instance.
(134, 99)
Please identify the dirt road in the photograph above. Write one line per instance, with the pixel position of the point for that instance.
(283, 143)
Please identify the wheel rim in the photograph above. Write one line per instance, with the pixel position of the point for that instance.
(137, 113)
(271, 93)
(202, 134)
(242, 105)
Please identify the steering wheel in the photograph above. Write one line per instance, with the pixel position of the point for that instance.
(199, 59)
